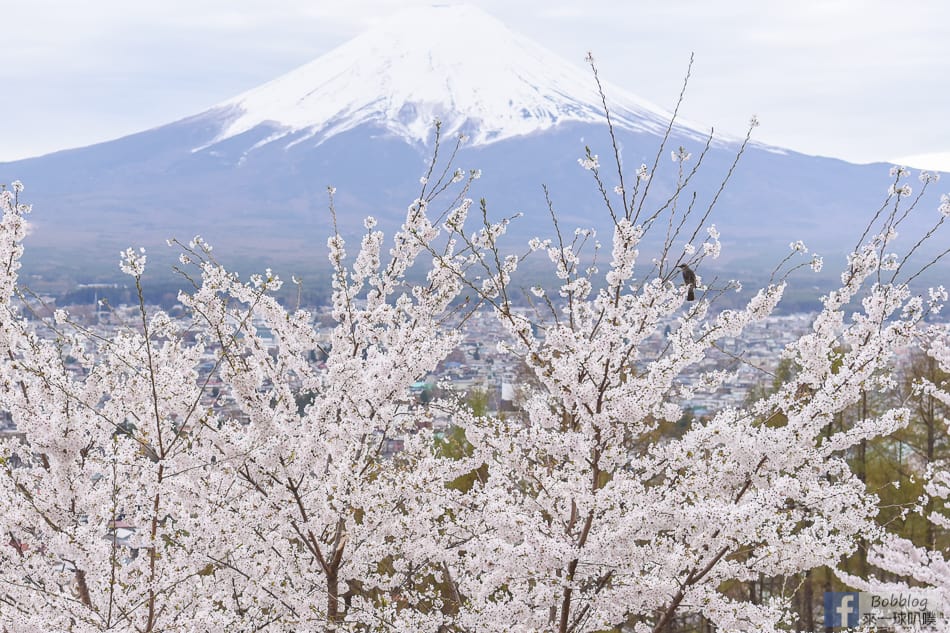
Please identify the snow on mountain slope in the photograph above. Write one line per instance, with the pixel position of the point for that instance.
(452, 63)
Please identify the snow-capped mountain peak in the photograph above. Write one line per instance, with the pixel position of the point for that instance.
(454, 63)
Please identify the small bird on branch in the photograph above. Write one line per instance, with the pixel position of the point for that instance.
(689, 278)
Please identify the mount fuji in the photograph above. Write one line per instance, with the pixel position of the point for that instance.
(251, 174)
(472, 73)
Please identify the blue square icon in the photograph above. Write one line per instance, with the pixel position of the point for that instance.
(841, 608)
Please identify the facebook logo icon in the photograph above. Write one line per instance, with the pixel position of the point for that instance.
(841, 608)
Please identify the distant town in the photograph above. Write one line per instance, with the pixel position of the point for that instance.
(476, 368)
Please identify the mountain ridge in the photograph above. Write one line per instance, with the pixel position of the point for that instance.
(471, 72)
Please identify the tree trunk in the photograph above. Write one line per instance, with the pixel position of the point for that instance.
(333, 598)
(808, 602)
(828, 629)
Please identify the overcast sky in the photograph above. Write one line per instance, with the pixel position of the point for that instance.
(863, 80)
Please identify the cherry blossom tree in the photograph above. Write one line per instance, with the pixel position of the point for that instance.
(100, 525)
(143, 495)
(314, 500)
(585, 519)
(901, 566)
(140, 498)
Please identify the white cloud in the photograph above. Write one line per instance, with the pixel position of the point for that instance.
(935, 161)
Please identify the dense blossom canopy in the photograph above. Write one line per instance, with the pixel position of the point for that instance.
(151, 489)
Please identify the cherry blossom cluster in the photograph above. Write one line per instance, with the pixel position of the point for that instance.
(231, 470)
